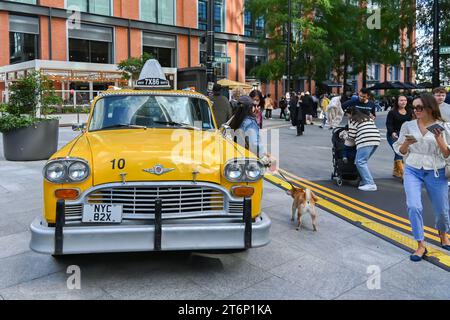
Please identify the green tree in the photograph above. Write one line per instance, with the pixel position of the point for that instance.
(131, 67)
(425, 42)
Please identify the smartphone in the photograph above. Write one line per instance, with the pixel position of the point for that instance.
(435, 126)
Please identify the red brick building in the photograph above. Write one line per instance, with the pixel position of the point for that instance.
(108, 31)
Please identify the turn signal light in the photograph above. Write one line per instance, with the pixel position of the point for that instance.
(243, 191)
(67, 194)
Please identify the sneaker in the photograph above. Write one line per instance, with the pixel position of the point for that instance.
(368, 187)
(293, 128)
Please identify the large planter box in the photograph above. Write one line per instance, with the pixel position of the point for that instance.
(37, 142)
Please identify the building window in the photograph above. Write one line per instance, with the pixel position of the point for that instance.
(219, 15)
(373, 72)
(220, 50)
(23, 38)
(253, 27)
(92, 6)
(90, 44)
(254, 57)
(25, 1)
(158, 11)
(161, 47)
(394, 73)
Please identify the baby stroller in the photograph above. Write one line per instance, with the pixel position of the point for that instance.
(342, 171)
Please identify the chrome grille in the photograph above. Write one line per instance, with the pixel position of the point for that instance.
(141, 199)
(236, 207)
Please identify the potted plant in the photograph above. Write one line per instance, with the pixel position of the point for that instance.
(28, 133)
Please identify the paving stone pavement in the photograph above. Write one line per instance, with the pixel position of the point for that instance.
(329, 264)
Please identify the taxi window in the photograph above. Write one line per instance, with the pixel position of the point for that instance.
(152, 111)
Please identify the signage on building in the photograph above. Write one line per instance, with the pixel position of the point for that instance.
(222, 59)
(445, 50)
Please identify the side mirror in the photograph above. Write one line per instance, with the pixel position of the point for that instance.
(226, 131)
(78, 126)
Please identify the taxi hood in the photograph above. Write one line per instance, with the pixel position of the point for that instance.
(157, 155)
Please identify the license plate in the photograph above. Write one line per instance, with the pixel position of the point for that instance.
(102, 213)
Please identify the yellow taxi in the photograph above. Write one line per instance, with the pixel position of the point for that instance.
(150, 171)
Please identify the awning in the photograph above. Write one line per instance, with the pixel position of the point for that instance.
(234, 84)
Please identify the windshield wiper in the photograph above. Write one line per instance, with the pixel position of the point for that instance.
(123, 125)
(177, 124)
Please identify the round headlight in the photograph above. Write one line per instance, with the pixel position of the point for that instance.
(78, 171)
(234, 171)
(55, 172)
(253, 171)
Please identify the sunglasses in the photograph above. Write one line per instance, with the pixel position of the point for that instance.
(418, 108)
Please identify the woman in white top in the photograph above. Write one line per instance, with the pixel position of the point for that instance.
(425, 154)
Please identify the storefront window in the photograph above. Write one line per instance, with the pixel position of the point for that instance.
(220, 50)
(90, 43)
(254, 57)
(163, 55)
(158, 11)
(23, 38)
(161, 47)
(22, 47)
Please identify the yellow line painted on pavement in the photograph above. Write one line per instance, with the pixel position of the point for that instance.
(383, 212)
(373, 226)
(362, 210)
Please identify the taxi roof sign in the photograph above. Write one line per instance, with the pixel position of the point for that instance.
(152, 76)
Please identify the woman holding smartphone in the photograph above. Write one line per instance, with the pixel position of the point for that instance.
(424, 143)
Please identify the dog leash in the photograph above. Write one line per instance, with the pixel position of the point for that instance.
(285, 179)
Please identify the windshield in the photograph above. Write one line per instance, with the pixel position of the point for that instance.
(150, 111)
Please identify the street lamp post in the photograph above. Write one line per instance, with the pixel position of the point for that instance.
(436, 47)
(288, 47)
(210, 45)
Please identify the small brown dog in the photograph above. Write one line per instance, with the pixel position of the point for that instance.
(304, 201)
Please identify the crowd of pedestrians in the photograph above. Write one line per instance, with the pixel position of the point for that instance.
(418, 131)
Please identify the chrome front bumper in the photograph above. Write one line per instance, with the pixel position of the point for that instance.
(195, 234)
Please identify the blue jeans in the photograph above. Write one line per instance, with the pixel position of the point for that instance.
(362, 157)
(391, 141)
(437, 190)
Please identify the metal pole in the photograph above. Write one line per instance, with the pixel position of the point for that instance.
(288, 47)
(436, 47)
(210, 45)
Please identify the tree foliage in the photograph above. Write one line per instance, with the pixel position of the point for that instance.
(425, 44)
(331, 37)
(131, 67)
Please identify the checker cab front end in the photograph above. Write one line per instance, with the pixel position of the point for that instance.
(150, 172)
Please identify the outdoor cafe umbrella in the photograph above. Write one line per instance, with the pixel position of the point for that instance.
(234, 84)
(425, 85)
(410, 86)
(386, 85)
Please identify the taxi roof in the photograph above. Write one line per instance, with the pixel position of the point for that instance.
(133, 92)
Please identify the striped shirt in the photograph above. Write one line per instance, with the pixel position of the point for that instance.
(365, 133)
